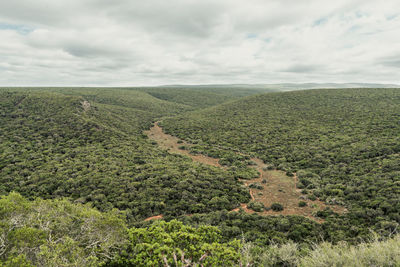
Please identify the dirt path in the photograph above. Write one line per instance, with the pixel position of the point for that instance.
(171, 144)
(277, 186)
(157, 217)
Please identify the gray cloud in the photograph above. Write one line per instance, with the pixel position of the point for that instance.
(390, 62)
(302, 68)
(102, 42)
(187, 18)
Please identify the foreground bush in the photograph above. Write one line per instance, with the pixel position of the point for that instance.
(57, 233)
(376, 253)
(175, 244)
(384, 253)
(60, 233)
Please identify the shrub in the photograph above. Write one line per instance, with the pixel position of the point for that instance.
(302, 203)
(268, 168)
(289, 173)
(276, 207)
(377, 253)
(256, 206)
(251, 163)
(175, 244)
(256, 186)
(57, 233)
(312, 197)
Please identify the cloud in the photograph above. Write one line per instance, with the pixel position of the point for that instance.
(302, 68)
(390, 61)
(129, 43)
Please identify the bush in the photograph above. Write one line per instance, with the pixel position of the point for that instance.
(268, 168)
(302, 203)
(276, 207)
(256, 206)
(312, 197)
(289, 173)
(57, 233)
(256, 186)
(175, 244)
(375, 253)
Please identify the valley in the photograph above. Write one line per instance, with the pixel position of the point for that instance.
(276, 186)
(134, 176)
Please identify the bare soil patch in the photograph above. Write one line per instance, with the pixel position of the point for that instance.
(86, 105)
(170, 143)
(157, 217)
(280, 188)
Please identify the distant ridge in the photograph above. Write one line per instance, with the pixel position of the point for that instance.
(290, 86)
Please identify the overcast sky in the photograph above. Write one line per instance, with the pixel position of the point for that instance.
(154, 42)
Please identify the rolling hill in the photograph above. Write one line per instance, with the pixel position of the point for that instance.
(89, 147)
(343, 145)
(84, 183)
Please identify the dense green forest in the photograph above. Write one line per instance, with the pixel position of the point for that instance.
(343, 144)
(56, 147)
(78, 176)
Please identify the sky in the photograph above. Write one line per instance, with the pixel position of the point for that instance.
(157, 42)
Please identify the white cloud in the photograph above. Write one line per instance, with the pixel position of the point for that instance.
(129, 43)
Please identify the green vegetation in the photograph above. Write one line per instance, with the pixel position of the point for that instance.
(200, 97)
(261, 230)
(54, 147)
(374, 253)
(78, 177)
(58, 233)
(302, 203)
(276, 207)
(256, 206)
(343, 144)
(177, 244)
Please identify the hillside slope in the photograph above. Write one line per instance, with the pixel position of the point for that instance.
(201, 97)
(88, 145)
(343, 144)
(58, 145)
